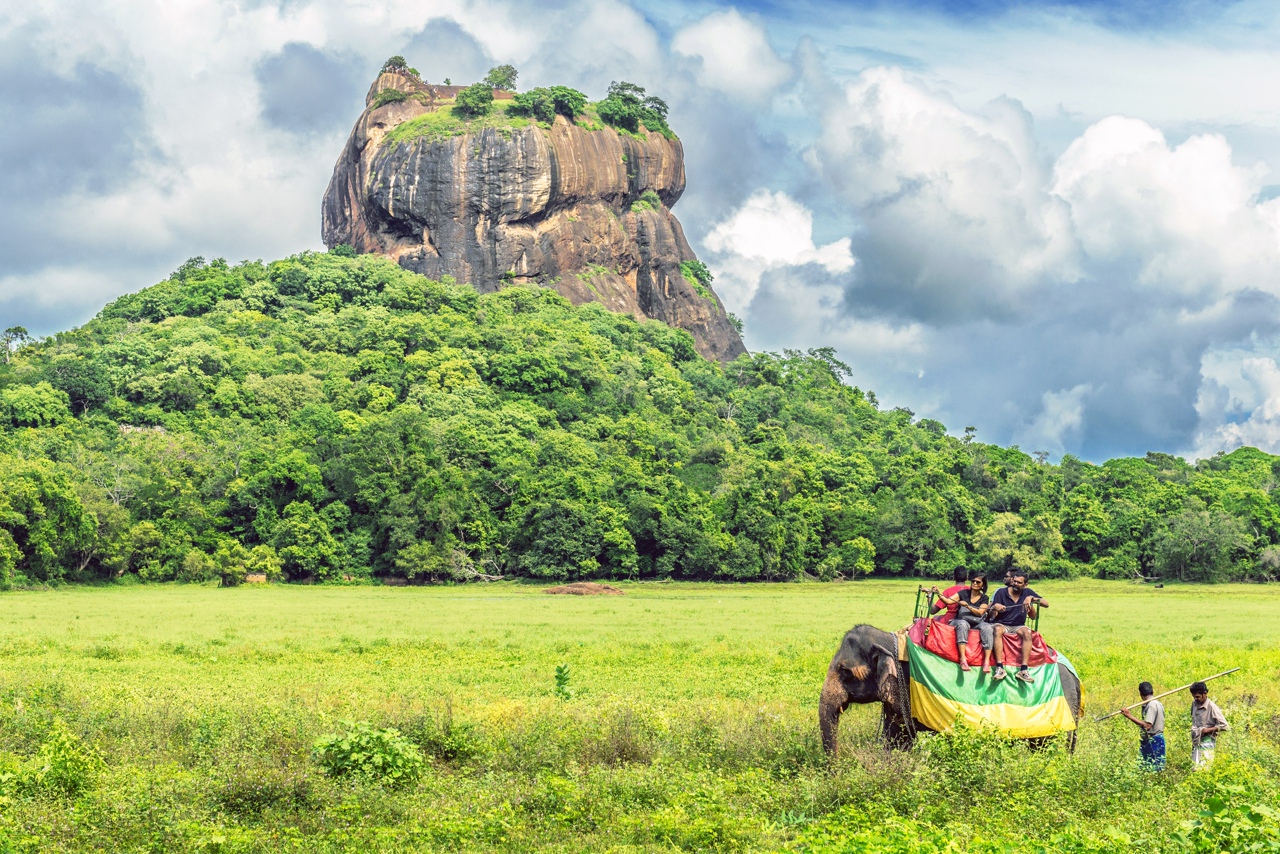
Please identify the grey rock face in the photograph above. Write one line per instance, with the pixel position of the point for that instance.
(524, 204)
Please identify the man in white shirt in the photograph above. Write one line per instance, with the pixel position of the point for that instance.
(1207, 721)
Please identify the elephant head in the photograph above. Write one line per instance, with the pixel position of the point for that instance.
(864, 670)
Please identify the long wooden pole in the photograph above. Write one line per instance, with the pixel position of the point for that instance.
(1167, 693)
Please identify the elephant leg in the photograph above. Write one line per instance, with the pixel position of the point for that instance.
(897, 735)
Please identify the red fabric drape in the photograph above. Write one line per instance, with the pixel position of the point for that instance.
(941, 641)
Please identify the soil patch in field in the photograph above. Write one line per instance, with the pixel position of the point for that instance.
(586, 588)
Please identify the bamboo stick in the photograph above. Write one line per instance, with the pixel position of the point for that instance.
(1166, 693)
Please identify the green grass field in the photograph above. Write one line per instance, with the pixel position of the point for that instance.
(690, 725)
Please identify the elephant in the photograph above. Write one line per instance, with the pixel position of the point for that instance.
(866, 669)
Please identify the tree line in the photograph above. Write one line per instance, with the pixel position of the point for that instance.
(329, 416)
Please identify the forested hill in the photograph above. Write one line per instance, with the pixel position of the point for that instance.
(330, 416)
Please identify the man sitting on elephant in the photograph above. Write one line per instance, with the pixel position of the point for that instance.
(1010, 608)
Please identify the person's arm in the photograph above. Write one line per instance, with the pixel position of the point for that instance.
(1217, 721)
(943, 597)
(1146, 727)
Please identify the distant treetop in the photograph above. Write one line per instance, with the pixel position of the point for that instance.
(502, 77)
(627, 107)
(398, 65)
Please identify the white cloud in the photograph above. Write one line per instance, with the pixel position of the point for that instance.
(1120, 295)
(1186, 215)
(770, 230)
(1059, 420)
(1239, 404)
(955, 208)
(735, 56)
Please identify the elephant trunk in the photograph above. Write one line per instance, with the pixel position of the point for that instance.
(834, 700)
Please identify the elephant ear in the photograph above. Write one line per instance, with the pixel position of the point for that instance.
(886, 673)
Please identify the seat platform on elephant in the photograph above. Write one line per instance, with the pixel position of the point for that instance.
(941, 694)
(937, 636)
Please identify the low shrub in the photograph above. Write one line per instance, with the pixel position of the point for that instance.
(442, 737)
(544, 104)
(388, 96)
(648, 201)
(64, 765)
(698, 275)
(475, 100)
(378, 755)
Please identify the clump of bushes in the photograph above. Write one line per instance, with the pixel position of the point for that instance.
(648, 201)
(545, 103)
(397, 65)
(473, 101)
(378, 755)
(501, 77)
(627, 107)
(388, 96)
(698, 275)
(65, 765)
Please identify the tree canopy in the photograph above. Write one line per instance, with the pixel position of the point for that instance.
(501, 77)
(332, 415)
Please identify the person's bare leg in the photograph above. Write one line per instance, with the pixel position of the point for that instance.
(962, 649)
(998, 653)
(1024, 636)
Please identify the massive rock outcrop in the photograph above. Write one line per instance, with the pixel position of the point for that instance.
(509, 201)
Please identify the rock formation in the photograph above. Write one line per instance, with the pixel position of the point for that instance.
(507, 202)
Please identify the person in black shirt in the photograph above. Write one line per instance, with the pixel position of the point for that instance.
(971, 606)
(1010, 608)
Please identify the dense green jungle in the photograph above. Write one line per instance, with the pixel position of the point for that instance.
(332, 417)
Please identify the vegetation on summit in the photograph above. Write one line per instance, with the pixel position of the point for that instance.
(330, 416)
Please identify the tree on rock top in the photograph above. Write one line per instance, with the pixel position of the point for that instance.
(501, 77)
(475, 100)
(627, 107)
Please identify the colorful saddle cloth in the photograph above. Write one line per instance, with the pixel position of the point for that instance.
(942, 694)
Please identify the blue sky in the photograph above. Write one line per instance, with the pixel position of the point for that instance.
(1056, 222)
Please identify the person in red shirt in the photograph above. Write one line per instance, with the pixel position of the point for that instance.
(961, 577)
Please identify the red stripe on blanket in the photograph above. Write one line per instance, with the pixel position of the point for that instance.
(941, 641)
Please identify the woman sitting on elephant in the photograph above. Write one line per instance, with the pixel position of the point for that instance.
(971, 608)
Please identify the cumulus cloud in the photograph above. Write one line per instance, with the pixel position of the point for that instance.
(1052, 230)
(769, 231)
(444, 49)
(734, 56)
(1185, 217)
(957, 221)
(308, 90)
(76, 128)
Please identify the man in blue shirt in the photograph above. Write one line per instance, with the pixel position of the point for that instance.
(1010, 608)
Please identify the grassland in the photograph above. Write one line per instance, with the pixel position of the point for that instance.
(444, 123)
(690, 725)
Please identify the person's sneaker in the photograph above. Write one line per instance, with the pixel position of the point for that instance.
(1025, 676)
(998, 675)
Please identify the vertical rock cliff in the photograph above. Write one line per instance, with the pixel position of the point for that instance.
(501, 200)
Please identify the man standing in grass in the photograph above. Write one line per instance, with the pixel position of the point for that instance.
(1152, 725)
(1010, 608)
(1207, 721)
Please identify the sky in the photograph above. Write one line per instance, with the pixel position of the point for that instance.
(1058, 223)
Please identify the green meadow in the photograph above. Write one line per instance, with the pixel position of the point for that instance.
(185, 717)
